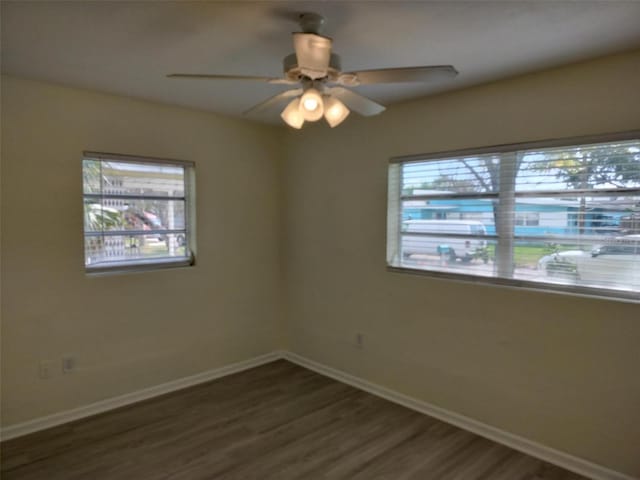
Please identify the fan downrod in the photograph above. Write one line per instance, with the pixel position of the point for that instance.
(311, 23)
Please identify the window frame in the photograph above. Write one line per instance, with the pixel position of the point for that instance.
(148, 264)
(394, 220)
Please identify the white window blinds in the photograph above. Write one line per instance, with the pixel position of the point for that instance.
(560, 217)
(136, 212)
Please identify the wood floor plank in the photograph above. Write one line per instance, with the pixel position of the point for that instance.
(236, 454)
(234, 393)
(323, 445)
(428, 448)
(278, 421)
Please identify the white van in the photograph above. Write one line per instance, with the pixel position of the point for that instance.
(453, 248)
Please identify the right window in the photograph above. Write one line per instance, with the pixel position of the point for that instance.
(544, 215)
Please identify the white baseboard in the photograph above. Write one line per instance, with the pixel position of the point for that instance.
(556, 457)
(102, 406)
(553, 456)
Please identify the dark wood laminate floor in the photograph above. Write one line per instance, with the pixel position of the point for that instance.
(277, 421)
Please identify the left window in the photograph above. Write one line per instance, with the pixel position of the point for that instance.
(138, 212)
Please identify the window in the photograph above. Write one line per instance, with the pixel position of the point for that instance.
(137, 212)
(530, 219)
(544, 215)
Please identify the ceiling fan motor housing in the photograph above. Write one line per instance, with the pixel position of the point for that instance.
(292, 70)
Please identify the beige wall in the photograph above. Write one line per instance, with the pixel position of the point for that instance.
(560, 370)
(137, 330)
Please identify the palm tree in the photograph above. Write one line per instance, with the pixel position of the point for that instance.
(97, 217)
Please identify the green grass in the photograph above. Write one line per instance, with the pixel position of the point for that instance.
(159, 249)
(529, 256)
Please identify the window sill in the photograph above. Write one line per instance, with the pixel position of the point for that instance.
(626, 296)
(108, 268)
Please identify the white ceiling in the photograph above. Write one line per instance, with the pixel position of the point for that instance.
(127, 47)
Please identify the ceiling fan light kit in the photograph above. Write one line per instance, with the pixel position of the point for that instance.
(335, 112)
(311, 105)
(319, 71)
(292, 115)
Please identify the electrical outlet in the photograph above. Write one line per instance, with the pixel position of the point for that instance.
(68, 363)
(359, 340)
(45, 369)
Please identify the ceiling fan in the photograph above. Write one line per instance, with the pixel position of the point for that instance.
(317, 71)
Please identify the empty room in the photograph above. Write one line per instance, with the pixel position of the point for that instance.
(320, 240)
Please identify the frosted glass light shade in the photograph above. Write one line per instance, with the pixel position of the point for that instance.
(335, 111)
(292, 114)
(311, 105)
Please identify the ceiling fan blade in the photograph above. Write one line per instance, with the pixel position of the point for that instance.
(199, 76)
(356, 102)
(313, 53)
(273, 101)
(399, 75)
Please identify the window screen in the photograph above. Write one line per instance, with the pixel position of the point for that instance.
(560, 217)
(136, 212)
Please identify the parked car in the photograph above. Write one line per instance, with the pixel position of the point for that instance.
(432, 237)
(143, 220)
(561, 264)
(616, 262)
